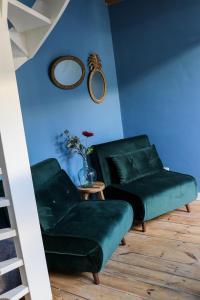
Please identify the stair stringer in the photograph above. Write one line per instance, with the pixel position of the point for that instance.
(19, 188)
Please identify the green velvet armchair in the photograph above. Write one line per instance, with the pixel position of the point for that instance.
(132, 170)
(78, 235)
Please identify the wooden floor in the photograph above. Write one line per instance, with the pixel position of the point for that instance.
(162, 264)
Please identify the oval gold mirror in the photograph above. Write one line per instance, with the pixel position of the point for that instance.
(67, 72)
(97, 81)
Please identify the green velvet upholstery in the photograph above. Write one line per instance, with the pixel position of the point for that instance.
(55, 198)
(102, 162)
(49, 167)
(151, 195)
(156, 194)
(88, 235)
(78, 235)
(134, 165)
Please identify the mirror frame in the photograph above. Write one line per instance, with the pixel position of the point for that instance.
(96, 66)
(94, 98)
(59, 60)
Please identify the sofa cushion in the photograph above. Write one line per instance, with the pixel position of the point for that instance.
(87, 236)
(156, 194)
(55, 198)
(100, 156)
(137, 164)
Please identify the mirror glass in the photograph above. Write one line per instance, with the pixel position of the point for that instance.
(98, 85)
(67, 72)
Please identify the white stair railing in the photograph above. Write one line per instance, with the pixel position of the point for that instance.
(30, 27)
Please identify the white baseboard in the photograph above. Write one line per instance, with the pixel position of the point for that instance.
(198, 196)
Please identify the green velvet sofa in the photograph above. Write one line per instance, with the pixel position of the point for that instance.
(132, 170)
(78, 235)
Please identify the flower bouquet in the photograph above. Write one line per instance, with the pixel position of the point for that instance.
(86, 175)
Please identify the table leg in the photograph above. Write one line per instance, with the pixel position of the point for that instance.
(101, 195)
(86, 196)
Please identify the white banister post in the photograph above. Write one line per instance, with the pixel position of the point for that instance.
(4, 9)
(17, 171)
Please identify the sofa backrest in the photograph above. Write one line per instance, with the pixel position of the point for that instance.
(100, 156)
(55, 192)
(43, 171)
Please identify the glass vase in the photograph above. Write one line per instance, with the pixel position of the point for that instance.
(86, 175)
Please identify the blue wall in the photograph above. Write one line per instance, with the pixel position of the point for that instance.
(157, 51)
(47, 110)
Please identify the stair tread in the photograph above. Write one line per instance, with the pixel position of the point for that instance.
(7, 233)
(16, 293)
(10, 264)
(19, 40)
(19, 61)
(17, 52)
(24, 18)
(4, 202)
(32, 25)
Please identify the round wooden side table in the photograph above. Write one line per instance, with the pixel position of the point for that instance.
(97, 188)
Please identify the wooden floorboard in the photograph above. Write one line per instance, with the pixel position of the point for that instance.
(161, 264)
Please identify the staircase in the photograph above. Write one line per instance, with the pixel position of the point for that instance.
(31, 26)
(27, 31)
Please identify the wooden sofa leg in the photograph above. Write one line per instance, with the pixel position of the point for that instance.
(188, 208)
(123, 242)
(96, 278)
(144, 227)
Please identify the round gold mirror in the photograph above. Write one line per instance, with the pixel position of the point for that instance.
(67, 72)
(97, 81)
